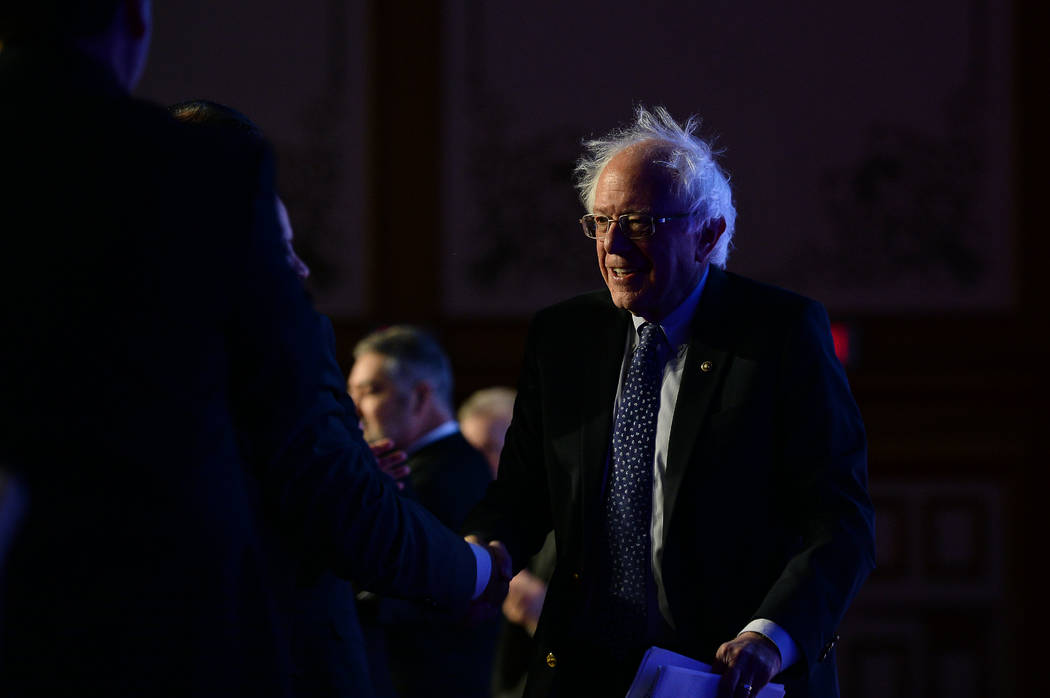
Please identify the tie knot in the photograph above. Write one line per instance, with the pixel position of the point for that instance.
(649, 333)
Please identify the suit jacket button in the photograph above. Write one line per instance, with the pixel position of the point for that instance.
(575, 576)
(552, 661)
(706, 366)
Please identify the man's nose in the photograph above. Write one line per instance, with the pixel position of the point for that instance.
(615, 238)
(300, 268)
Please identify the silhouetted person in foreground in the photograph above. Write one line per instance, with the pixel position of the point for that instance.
(315, 605)
(163, 390)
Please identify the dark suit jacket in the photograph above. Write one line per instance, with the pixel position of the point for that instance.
(767, 512)
(163, 396)
(423, 652)
(317, 606)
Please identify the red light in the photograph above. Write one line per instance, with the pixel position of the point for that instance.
(840, 336)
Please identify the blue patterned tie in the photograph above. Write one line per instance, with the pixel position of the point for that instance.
(629, 495)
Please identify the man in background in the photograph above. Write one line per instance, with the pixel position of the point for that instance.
(401, 382)
(163, 390)
(484, 417)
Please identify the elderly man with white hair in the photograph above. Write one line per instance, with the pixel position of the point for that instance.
(690, 437)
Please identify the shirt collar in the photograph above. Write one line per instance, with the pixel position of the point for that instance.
(441, 431)
(676, 324)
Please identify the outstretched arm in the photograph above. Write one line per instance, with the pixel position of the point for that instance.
(318, 480)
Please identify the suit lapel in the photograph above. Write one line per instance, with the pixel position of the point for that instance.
(706, 363)
(603, 361)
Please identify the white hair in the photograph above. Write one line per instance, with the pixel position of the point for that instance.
(698, 178)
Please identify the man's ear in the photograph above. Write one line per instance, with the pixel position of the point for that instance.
(420, 397)
(708, 238)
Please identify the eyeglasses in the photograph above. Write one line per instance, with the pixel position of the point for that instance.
(634, 225)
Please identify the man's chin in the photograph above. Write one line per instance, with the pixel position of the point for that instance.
(632, 302)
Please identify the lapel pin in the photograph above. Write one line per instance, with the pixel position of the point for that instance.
(706, 366)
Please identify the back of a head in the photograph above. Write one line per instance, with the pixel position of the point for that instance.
(54, 21)
(413, 355)
(484, 418)
(225, 124)
(497, 401)
(217, 118)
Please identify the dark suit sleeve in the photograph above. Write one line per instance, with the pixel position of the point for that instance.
(823, 446)
(317, 479)
(448, 478)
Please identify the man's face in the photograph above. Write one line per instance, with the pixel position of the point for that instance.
(297, 265)
(651, 276)
(139, 19)
(486, 433)
(382, 405)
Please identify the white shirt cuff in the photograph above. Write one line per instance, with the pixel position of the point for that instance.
(484, 569)
(778, 636)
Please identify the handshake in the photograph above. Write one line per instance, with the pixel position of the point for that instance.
(487, 606)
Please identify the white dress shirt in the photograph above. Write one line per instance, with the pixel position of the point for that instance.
(439, 432)
(676, 328)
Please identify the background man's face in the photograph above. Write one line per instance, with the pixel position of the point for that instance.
(382, 404)
(651, 276)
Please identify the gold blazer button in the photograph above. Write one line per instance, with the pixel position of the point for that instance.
(706, 366)
(552, 661)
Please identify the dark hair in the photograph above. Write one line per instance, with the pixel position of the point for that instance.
(215, 116)
(49, 20)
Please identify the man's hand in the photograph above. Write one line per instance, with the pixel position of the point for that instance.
(487, 606)
(746, 663)
(525, 600)
(389, 460)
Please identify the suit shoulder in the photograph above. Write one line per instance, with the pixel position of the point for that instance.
(452, 454)
(582, 312)
(760, 317)
(448, 477)
(765, 302)
(761, 293)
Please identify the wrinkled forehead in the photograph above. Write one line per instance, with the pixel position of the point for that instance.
(372, 367)
(638, 178)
